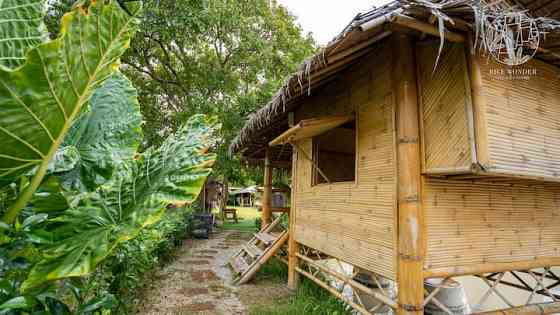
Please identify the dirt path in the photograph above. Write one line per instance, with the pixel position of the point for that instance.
(199, 282)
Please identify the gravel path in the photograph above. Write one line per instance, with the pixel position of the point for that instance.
(199, 282)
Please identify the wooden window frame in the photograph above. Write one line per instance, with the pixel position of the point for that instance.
(315, 162)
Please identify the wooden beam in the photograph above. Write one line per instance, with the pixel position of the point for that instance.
(266, 214)
(455, 271)
(411, 234)
(533, 309)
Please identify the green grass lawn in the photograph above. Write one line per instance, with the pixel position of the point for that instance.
(308, 299)
(246, 217)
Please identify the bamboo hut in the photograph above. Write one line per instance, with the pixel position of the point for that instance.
(418, 157)
(213, 195)
(244, 197)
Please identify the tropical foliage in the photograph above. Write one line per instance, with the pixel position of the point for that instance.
(23, 30)
(73, 186)
(224, 58)
(96, 175)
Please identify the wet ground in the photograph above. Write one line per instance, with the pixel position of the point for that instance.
(198, 281)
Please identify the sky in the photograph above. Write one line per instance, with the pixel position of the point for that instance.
(326, 18)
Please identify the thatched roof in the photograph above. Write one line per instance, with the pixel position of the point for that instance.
(358, 38)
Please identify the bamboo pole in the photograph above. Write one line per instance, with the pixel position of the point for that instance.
(478, 104)
(267, 193)
(293, 246)
(427, 28)
(354, 284)
(404, 20)
(266, 229)
(345, 53)
(313, 163)
(271, 251)
(334, 292)
(533, 309)
(490, 268)
(411, 236)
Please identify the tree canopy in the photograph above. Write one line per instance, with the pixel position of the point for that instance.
(224, 58)
(221, 57)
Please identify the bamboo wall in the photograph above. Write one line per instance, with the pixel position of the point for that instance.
(354, 221)
(467, 221)
(445, 100)
(480, 222)
(522, 119)
(475, 223)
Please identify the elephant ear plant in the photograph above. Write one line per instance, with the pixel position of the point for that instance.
(72, 184)
(40, 100)
(22, 29)
(75, 242)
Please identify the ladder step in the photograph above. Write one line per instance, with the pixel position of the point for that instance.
(239, 265)
(265, 238)
(253, 250)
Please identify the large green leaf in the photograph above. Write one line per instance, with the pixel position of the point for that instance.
(21, 28)
(40, 100)
(136, 197)
(105, 136)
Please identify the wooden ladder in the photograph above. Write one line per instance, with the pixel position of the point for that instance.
(264, 244)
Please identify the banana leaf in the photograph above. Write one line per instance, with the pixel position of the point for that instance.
(21, 28)
(40, 100)
(135, 197)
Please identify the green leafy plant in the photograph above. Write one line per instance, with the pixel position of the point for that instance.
(102, 138)
(40, 100)
(75, 242)
(72, 185)
(23, 29)
(129, 266)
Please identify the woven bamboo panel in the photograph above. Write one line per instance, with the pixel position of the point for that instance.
(354, 221)
(444, 96)
(523, 120)
(475, 223)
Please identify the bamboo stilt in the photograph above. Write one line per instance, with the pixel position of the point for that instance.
(267, 193)
(383, 298)
(293, 246)
(333, 291)
(411, 236)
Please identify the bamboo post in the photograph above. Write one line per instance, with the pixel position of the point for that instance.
(478, 102)
(411, 236)
(267, 193)
(293, 246)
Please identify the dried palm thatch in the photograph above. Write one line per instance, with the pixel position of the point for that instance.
(301, 82)
(479, 15)
(497, 24)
